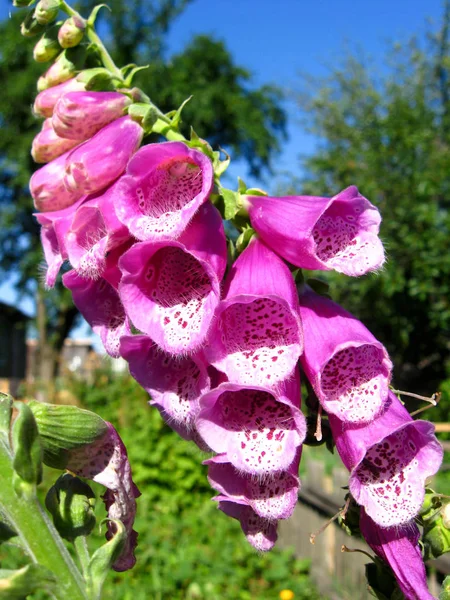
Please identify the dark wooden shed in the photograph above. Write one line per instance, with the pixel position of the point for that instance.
(13, 325)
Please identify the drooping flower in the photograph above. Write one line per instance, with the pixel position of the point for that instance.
(170, 289)
(260, 533)
(47, 186)
(347, 366)
(94, 231)
(54, 228)
(99, 303)
(106, 462)
(164, 186)
(389, 460)
(399, 548)
(259, 429)
(174, 383)
(80, 115)
(271, 498)
(339, 233)
(46, 100)
(48, 145)
(257, 335)
(94, 164)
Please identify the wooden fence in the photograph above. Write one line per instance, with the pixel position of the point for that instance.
(338, 575)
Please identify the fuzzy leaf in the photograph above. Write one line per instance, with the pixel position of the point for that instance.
(27, 462)
(64, 428)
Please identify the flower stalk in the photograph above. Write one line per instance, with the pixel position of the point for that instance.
(37, 534)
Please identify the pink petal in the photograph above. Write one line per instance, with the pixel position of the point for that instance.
(80, 115)
(389, 461)
(100, 305)
(348, 367)
(259, 429)
(47, 145)
(260, 533)
(94, 232)
(175, 384)
(106, 462)
(46, 100)
(54, 228)
(98, 162)
(171, 289)
(399, 548)
(164, 186)
(47, 186)
(257, 336)
(271, 498)
(312, 232)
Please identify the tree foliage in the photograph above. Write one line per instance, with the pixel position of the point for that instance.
(389, 133)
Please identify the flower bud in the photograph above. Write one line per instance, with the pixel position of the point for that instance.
(47, 145)
(65, 428)
(46, 100)
(30, 26)
(22, 3)
(71, 503)
(65, 67)
(71, 32)
(26, 444)
(46, 11)
(97, 79)
(47, 47)
(80, 115)
(436, 530)
(445, 513)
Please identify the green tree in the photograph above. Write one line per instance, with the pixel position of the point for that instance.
(389, 134)
(249, 123)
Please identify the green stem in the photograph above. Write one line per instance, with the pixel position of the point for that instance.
(108, 62)
(82, 553)
(92, 35)
(170, 134)
(40, 539)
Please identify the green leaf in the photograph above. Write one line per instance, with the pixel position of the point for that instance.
(93, 16)
(103, 559)
(176, 119)
(221, 166)
(230, 203)
(201, 144)
(97, 79)
(6, 403)
(17, 585)
(244, 239)
(63, 428)
(145, 114)
(242, 187)
(27, 462)
(134, 71)
(255, 192)
(445, 593)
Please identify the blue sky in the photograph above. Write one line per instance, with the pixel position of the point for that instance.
(277, 39)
